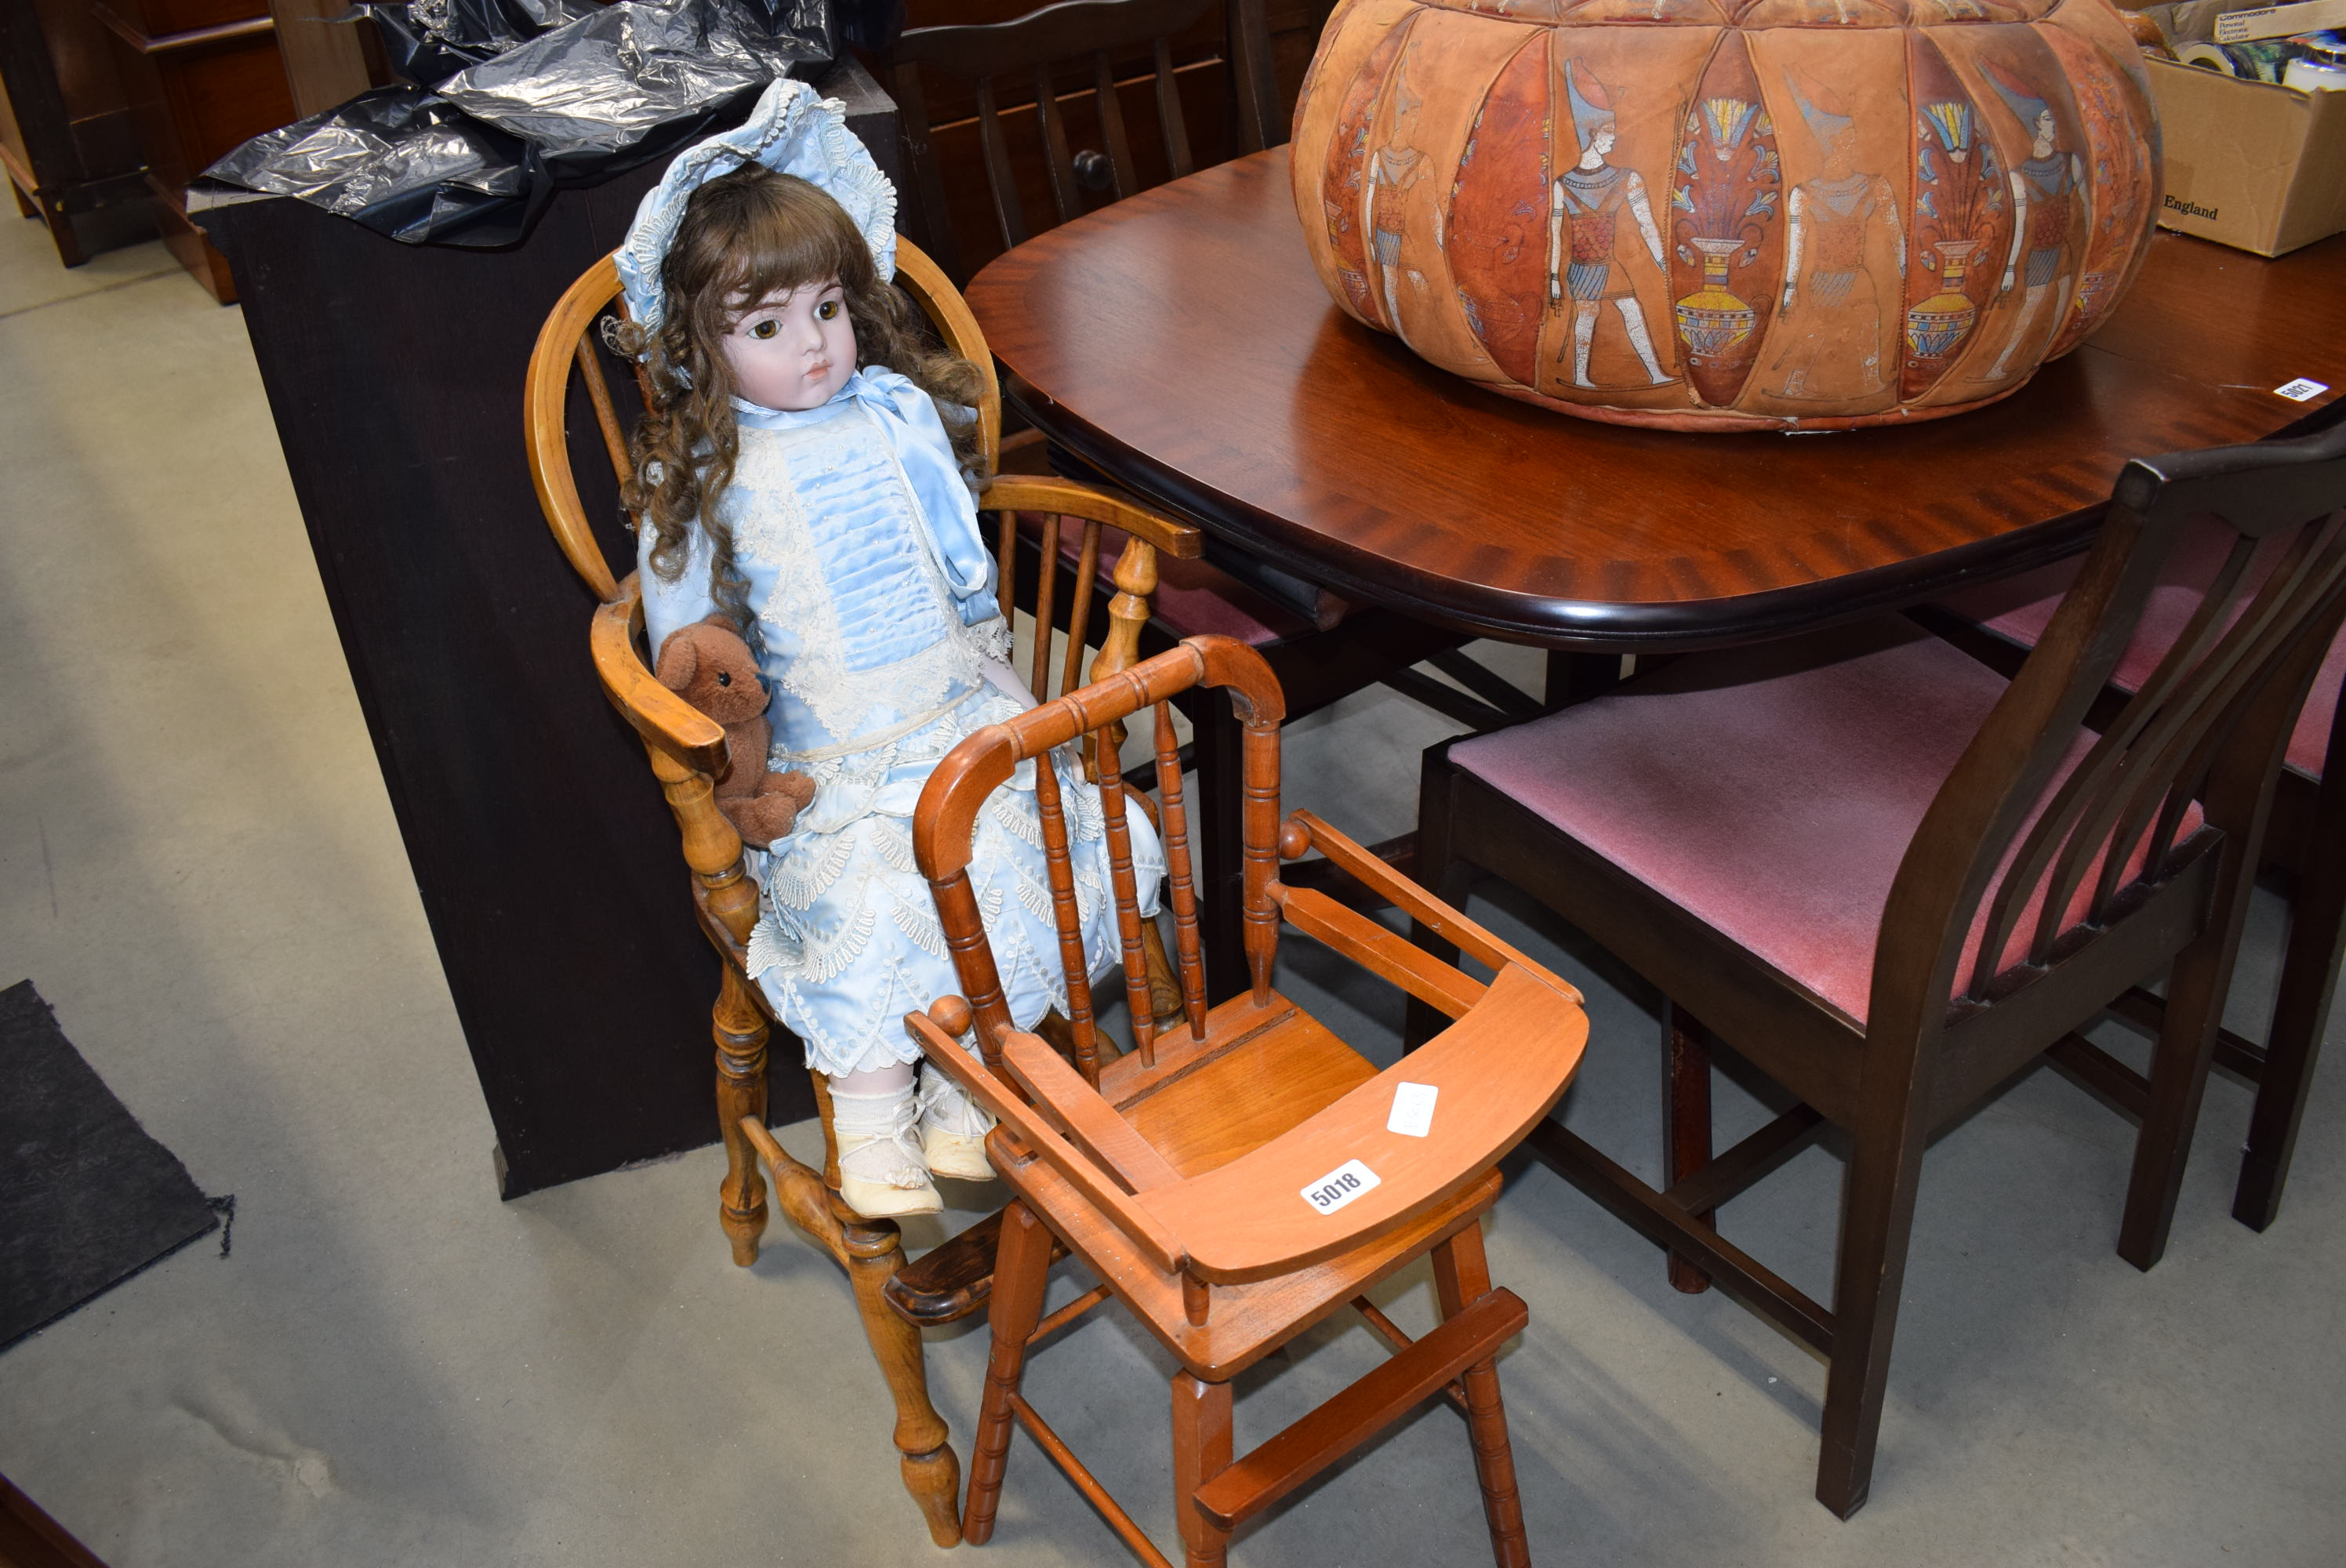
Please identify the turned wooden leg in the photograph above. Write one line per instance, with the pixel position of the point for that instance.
(871, 1252)
(1201, 1451)
(931, 1472)
(1022, 1267)
(741, 1030)
(1164, 990)
(1686, 1123)
(1462, 1274)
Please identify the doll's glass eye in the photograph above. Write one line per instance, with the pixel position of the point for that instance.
(765, 329)
(827, 310)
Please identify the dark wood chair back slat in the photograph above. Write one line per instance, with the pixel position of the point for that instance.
(999, 177)
(1123, 178)
(2002, 833)
(1168, 114)
(1059, 163)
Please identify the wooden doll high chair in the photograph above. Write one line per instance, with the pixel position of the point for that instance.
(1241, 1174)
(688, 754)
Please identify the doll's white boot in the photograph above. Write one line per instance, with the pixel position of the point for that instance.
(953, 1129)
(882, 1174)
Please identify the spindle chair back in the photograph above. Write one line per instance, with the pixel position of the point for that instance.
(1237, 1175)
(688, 754)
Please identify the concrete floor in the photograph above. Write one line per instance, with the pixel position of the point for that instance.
(200, 869)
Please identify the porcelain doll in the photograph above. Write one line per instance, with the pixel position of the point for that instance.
(794, 473)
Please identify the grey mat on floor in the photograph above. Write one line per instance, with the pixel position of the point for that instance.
(86, 1198)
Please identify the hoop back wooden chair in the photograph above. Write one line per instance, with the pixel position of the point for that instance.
(687, 755)
(1233, 1179)
(1891, 880)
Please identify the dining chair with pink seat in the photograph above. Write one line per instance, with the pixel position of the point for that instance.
(1890, 878)
(1998, 623)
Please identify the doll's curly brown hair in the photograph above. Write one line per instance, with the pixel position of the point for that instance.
(744, 238)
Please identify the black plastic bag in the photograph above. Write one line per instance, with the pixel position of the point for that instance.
(590, 90)
(473, 160)
(404, 162)
(428, 41)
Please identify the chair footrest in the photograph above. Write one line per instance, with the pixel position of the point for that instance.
(952, 1279)
(1363, 1410)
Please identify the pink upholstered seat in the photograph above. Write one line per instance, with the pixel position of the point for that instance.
(1770, 792)
(2019, 609)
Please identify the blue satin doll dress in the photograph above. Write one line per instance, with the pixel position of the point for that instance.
(884, 645)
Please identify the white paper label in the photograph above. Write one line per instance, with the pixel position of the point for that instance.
(1412, 1110)
(1340, 1187)
(2302, 390)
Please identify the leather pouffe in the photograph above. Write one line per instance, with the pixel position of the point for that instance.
(1731, 214)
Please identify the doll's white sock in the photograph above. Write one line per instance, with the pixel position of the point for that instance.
(877, 1141)
(945, 1107)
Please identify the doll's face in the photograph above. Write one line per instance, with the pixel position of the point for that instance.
(794, 351)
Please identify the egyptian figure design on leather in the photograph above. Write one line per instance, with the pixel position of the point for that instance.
(1394, 168)
(2046, 190)
(1583, 241)
(1343, 219)
(1834, 343)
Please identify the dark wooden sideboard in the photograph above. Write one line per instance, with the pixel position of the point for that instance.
(66, 143)
(203, 76)
(548, 865)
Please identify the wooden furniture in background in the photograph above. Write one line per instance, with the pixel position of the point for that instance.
(203, 76)
(1891, 922)
(688, 753)
(1183, 1174)
(1007, 130)
(399, 423)
(66, 143)
(1180, 344)
(1119, 130)
(328, 60)
(29, 1538)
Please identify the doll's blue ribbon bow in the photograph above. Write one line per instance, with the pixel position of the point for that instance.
(916, 438)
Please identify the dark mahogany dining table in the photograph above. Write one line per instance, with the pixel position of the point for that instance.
(1180, 344)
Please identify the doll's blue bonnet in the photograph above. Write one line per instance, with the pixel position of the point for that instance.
(791, 130)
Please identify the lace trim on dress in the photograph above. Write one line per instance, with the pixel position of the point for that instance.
(771, 522)
(863, 872)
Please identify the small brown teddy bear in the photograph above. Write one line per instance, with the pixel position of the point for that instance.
(711, 667)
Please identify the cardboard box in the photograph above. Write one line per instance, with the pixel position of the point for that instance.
(2249, 164)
